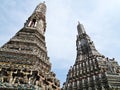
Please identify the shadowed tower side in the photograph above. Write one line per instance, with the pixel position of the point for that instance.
(24, 63)
(91, 71)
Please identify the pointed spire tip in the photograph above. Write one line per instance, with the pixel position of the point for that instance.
(44, 2)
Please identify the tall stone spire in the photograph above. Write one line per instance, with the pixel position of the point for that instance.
(91, 70)
(85, 46)
(24, 62)
(80, 29)
(38, 19)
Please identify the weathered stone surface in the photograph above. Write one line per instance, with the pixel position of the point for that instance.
(24, 63)
(91, 71)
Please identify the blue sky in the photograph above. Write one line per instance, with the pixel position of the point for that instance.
(101, 19)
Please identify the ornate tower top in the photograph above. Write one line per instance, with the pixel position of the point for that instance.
(85, 45)
(41, 8)
(38, 19)
(80, 28)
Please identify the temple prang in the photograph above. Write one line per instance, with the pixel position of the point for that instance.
(91, 70)
(24, 62)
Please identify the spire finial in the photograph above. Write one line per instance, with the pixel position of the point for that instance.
(41, 8)
(78, 22)
(80, 28)
(44, 2)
